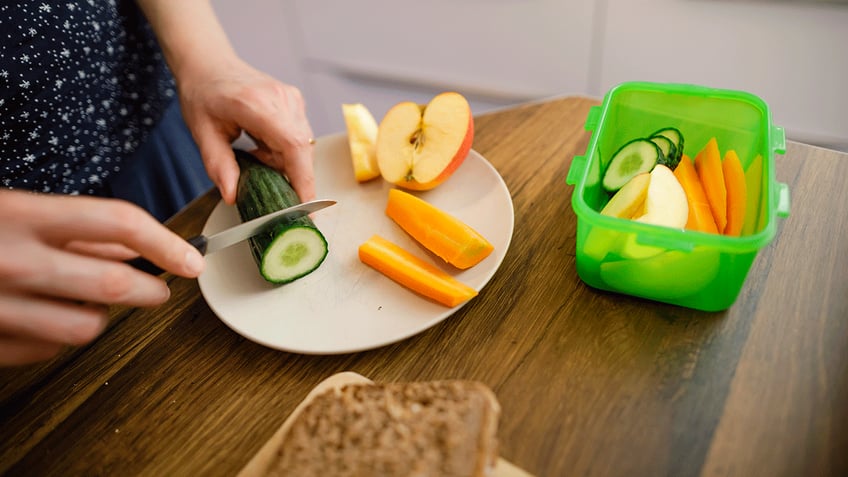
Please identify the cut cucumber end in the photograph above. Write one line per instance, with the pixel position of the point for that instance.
(291, 249)
(631, 159)
(295, 252)
(675, 136)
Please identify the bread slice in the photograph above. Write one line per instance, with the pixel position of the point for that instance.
(354, 427)
(267, 460)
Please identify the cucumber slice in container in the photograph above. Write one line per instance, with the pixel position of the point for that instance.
(674, 135)
(289, 250)
(668, 151)
(633, 158)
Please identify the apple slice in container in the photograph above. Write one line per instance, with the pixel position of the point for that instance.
(665, 202)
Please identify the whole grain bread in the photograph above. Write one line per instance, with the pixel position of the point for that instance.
(419, 429)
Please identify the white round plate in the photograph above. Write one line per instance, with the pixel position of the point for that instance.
(346, 306)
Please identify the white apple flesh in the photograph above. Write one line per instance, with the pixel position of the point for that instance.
(666, 202)
(362, 139)
(629, 201)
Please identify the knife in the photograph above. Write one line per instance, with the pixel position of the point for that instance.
(233, 235)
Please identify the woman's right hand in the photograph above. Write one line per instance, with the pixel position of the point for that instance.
(62, 264)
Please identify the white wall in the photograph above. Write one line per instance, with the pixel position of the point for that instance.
(500, 52)
(794, 55)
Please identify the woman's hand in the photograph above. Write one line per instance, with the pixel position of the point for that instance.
(218, 104)
(222, 96)
(62, 264)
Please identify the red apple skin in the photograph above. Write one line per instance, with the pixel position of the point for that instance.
(454, 164)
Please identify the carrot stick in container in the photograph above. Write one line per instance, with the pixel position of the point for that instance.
(734, 180)
(700, 215)
(708, 165)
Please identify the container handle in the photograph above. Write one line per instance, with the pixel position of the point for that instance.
(778, 140)
(578, 164)
(782, 199)
(592, 118)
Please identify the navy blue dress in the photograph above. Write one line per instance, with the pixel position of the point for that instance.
(88, 106)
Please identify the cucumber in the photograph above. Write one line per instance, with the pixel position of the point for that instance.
(668, 151)
(635, 157)
(290, 249)
(676, 138)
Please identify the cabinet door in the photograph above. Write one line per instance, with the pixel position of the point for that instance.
(496, 52)
(789, 54)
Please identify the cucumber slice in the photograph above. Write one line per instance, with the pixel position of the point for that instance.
(668, 151)
(290, 249)
(675, 136)
(294, 252)
(635, 157)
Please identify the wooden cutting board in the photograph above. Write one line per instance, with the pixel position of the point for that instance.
(258, 465)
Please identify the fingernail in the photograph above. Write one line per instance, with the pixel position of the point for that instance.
(195, 263)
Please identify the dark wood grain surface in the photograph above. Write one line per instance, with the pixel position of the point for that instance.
(591, 383)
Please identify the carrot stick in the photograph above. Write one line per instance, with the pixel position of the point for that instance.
(708, 165)
(700, 215)
(439, 232)
(413, 273)
(734, 180)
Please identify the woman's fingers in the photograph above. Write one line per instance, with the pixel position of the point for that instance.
(53, 272)
(219, 159)
(41, 319)
(15, 352)
(278, 122)
(271, 112)
(109, 251)
(299, 171)
(59, 253)
(60, 220)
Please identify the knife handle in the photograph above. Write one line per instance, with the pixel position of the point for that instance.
(145, 265)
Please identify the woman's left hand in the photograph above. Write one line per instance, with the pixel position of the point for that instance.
(222, 96)
(217, 107)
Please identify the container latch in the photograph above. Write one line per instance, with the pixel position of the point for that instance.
(782, 199)
(578, 165)
(778, 140)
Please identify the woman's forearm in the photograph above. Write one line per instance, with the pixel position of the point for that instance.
(190, 35)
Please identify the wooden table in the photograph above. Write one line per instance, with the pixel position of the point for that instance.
(591, 383)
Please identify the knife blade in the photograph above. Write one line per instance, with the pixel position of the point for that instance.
(233, 235)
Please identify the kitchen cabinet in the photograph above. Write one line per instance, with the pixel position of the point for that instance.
(501, 52)
(379, 52)
(494, 52)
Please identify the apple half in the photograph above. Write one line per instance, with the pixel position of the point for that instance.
(420, 146)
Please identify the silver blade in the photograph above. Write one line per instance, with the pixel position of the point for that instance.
(244, 231)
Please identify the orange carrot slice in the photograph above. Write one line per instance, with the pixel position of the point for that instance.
(700, 215)
(708, 165)
(439, 232)
(734, 181)
(410, 271)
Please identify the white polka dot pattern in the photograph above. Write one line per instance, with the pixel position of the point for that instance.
(81, 85)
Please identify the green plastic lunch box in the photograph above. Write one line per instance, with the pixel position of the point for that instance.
(698, 270)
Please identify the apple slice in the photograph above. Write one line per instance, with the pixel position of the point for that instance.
(629, 201)
(362, 138)
(666, 202)
(420, 146)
